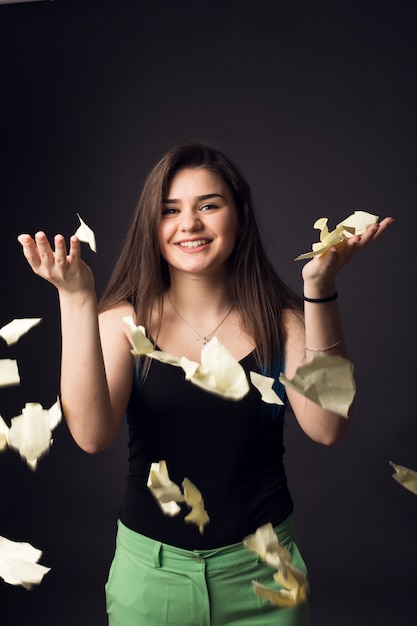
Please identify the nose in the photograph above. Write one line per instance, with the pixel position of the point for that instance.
(190, 221)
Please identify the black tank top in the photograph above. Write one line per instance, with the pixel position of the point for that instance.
(231, 450)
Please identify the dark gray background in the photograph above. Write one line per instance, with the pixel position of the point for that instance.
(317, 103)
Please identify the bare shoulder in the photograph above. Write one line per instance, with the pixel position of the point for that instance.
(293, 321)
(113, 318)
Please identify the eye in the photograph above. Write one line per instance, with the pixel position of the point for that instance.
(166, 211)
(208, 207)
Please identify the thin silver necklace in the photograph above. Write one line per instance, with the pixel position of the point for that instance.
(205, 338)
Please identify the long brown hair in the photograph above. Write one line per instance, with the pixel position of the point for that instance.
(141, 275)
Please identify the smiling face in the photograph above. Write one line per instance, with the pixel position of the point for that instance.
(199, 222)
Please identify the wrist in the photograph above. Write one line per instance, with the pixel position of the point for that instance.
(79, 298)
(318, 291)
(322, 300)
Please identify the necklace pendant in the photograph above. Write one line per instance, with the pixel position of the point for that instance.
(205, 340)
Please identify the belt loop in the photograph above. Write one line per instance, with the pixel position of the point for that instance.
(157, 554)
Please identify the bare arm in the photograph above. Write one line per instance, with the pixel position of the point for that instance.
(322, 328)
(96, 363)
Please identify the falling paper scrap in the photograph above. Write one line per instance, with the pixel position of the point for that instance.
(405, 476)
(219, 372)
(355, 224)
(31, 432)
(143, 347)
(168, 494)
(193, 498)
(4, 429)
(84, 233)
(293, 581)
(19, 563)
(264, 386)
(9, 373)
(12, 331)
(327, 381)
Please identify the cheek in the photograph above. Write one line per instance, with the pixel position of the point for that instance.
(166, 233)
(232, 231)
(163, 232)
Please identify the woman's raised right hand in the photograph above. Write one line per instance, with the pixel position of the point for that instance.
(65, 270)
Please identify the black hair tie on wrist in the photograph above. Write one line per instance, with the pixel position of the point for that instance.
(319, 300)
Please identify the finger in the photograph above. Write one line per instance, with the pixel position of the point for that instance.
(44, 249)
(30, 250)
(75, 248)
(374, 231)
(24, 239)
(60, 249)
(383, 225)
(358, 242)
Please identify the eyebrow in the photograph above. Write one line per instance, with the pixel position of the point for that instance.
(206, 196)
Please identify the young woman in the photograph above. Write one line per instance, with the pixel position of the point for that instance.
(193, 267)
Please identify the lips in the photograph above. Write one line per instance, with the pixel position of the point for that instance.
(195, 243)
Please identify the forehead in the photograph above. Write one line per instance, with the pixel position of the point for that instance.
(196, 181)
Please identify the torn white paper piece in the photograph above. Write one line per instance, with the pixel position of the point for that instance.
(265, 543)
(9, 373)
(357, 223)
(12, 331)
(405, 476)
(264, 386)
(293, 591)
(293, 581)
(4, 430)
(138, 339)
(141, 346)
(193, 498)
(219, 372)
(229, 376)
(168, 494)
(31, 432)
(327, 381)
(19, 563)
(84, 233)
(354, 224)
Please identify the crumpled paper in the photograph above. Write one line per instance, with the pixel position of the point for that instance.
(31, 432)
(9, 373)
(219, 372)
(293, 581)
(405, 476)
(141, 346)
(326, 380)
(354, 224)
(19, 563)
(84, 233)
(168, 494)
(12, 331)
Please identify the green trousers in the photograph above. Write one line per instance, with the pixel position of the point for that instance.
(153, 584)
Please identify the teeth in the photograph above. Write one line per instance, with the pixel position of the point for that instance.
(193, 244)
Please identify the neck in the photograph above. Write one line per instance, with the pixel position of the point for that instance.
(201, 306)
(192, 295)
